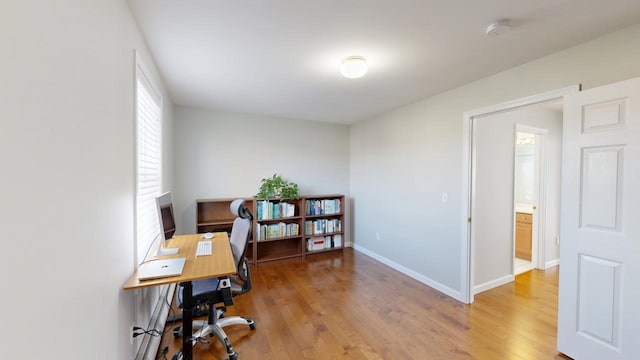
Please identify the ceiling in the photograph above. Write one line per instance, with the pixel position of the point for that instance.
(281, 58)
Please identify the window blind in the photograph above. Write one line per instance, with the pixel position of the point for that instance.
(149, 162)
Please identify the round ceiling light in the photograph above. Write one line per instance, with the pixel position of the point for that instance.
(498, 27)
(354, 67)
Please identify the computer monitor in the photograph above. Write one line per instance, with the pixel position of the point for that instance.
(167, 222)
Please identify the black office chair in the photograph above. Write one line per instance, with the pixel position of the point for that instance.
(211, 292)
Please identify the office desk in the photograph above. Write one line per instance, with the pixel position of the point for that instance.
(219, 264)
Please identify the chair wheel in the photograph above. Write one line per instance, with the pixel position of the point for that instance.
(177, 331)
(233, 357)
(252, 326)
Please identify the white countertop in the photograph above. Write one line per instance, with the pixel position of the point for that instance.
(524, 208)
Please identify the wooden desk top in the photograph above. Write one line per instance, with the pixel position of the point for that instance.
(219, 263)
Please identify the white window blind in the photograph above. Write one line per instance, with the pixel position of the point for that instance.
(149, 161)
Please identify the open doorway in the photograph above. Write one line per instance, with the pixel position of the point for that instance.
(489, 228)
(528, 185)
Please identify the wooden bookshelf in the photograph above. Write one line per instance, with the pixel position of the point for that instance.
(273, 223)
(273, 236)
(323, 218)
(214, 215)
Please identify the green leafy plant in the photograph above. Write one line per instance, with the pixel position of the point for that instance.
(277, 187)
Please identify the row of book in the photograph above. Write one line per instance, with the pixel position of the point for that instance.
(322, 226)
(266, 210)
(322, 207)
(324, 242)
(272, 231)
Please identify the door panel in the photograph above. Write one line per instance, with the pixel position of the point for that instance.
(601, 179)
(604, 116)
(599, 292)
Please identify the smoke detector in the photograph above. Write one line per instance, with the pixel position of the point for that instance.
(498, 27)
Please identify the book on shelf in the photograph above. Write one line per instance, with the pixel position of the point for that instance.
(322, 207)
(272, 231)
(322, 226)
(315, 243)
(289, 210)
(328, 242)
(308, 227)
(267, 210)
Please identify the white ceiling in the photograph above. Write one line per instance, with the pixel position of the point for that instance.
(281, 58)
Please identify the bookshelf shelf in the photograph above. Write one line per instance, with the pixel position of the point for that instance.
(309, 217)
(282, 256)
(279, 238)
(311, 252)
(326, 212)
(285, 219)
(214, 223)
(324, 234)
(277, 250)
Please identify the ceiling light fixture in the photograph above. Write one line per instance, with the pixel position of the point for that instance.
(498, 27)
(353, 67)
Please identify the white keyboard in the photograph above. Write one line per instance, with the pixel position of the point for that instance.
(204, 248)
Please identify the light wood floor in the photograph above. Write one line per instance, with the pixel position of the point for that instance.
(349, 306)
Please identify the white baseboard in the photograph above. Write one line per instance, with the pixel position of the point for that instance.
(423, 279)
(149, 347)
(493, 283)
(552, 263)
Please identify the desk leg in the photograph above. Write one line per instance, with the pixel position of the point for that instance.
(187, 320)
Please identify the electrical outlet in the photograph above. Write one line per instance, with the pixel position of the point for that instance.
(445, 197)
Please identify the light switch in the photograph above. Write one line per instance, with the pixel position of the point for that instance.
(444, 197)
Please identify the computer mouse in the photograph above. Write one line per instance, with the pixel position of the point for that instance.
(207, 235)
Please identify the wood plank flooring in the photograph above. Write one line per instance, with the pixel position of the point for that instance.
(349, 306)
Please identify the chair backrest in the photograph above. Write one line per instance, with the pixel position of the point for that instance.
(240, 235)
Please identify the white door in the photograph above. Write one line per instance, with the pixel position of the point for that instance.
(599, 293)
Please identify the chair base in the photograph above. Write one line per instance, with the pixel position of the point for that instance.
(214, 327)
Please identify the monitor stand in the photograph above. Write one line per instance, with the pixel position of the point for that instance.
(167, 251)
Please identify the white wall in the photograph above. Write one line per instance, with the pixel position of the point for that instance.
(402, 161)
(221, 155)
(493, 207)
(67, 155)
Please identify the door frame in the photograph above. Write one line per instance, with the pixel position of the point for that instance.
(467, 250)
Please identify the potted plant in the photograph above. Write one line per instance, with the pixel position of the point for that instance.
(277, 187)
